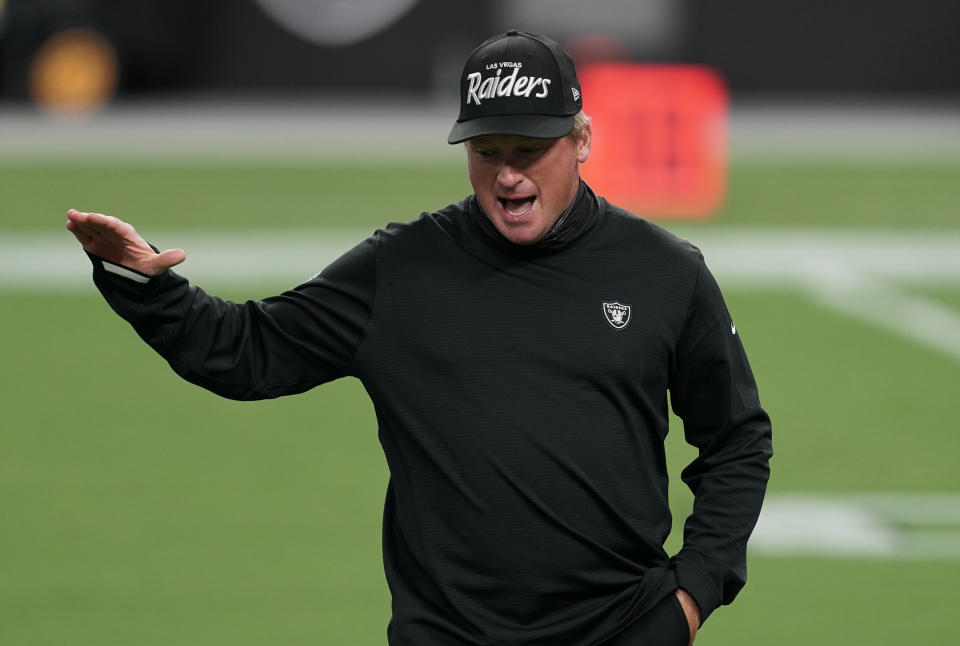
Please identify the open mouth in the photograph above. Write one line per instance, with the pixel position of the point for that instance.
(517, 207)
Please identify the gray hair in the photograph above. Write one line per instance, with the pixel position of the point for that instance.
(581, 122)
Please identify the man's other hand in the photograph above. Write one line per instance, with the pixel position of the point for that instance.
(691, 610)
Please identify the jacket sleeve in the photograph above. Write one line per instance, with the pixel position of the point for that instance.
(713, 391)
(281, 345)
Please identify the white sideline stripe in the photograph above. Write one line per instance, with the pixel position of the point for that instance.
(916, 526)
(740, 257)
(865, 274)
(53, 261)
(396, 128)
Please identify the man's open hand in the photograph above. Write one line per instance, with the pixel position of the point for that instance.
(118, 242)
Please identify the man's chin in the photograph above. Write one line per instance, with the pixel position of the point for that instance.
(521, 235)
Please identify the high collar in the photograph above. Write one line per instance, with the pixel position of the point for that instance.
(576, 220)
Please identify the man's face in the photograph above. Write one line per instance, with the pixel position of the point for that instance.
(524, 184)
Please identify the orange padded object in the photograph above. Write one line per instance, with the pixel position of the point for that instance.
(659, 137)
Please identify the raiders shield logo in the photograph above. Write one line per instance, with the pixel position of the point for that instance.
(617, 314)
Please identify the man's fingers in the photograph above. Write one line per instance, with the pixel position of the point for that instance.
(76, 222)
(82, 236)
(93, 231)
(82, 218)
(98, 223)
(85, 234)
(92, 225)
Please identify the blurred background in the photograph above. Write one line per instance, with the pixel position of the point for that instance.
(811, 149)
(413, 47)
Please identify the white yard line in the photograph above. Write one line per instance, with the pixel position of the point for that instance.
(863, 274)
(912, 526)
(919, 319)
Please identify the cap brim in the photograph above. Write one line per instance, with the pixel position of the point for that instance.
(520, 125)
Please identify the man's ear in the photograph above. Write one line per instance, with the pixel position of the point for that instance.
(583, 147)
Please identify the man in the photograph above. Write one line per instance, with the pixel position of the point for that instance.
(518, 347)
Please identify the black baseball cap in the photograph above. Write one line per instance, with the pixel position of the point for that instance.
(517, 83)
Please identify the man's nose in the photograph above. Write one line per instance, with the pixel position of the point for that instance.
(509, 175)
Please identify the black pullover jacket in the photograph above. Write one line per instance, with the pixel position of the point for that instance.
(521, 396)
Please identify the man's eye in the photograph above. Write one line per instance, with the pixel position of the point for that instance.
(486, 154)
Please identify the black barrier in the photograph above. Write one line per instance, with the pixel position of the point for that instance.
(416, 46)
(252, 45)
(858, 46)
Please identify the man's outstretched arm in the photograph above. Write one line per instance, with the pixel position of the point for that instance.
(280, 345)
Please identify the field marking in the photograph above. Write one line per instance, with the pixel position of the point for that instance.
(400, 129)
(921, 320)
(865, 275)
(862, 274)
(911, 526)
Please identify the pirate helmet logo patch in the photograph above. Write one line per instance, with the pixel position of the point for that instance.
(617, 314)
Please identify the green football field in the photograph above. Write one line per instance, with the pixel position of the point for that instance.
(139, 509)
